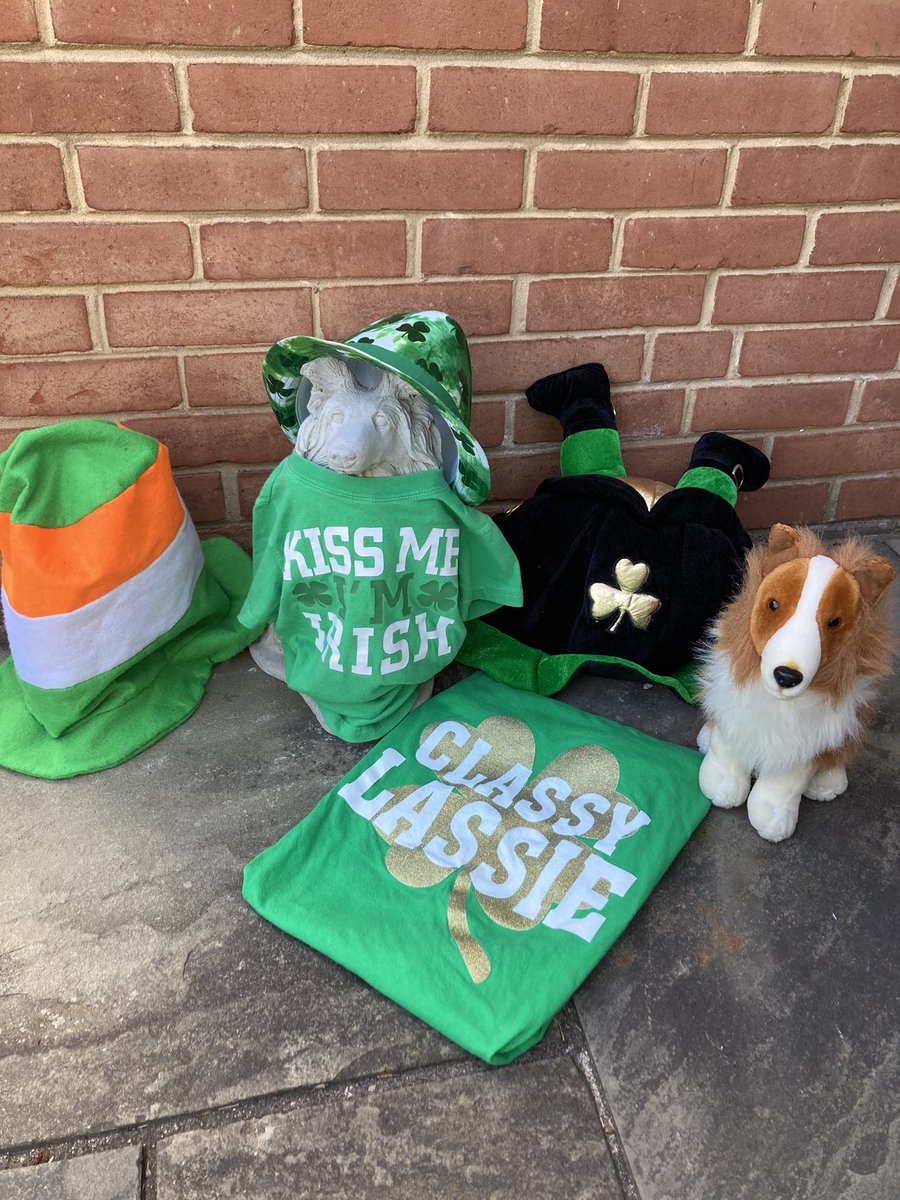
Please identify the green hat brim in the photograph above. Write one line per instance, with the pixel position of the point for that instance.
(146, 698)
(471, 476)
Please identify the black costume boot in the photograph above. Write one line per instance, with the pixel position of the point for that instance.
(580, 399)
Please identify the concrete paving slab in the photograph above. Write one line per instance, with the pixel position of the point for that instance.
(110, 1175)
(527, 1131)
(747, 1025)
(134, 980)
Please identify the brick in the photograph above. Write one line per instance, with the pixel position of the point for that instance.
(880, 400)
(446, 25)
(689, 243)
(142, 22)
(638, 413)
(207, 318)
(874, 105)
(702, 355)
(19, 24)
(515, 476)
(224, 379)
(621, 302)
(674, 27)
(100, 385)
(513, 365)
(794, 503)
(63, 253)
(868, 498)
(201, 439)
(202, 493)
(250, 484)
(612, 179)
(481, 308)
(500, 100)
(811, 296)
(466, 180)
(865, 28)
(303, 249)
(64, 97)
(771, 406)
(241, 97)
(819, 351)
(840, 452)
(164, 179)
(817, 174)
(31, 177)
(516, 245)
(741, 102)
(488, 422)
(43, 324)
(857, 237)
(666, 462)
(241, 532)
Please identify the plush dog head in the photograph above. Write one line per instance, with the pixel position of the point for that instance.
(386, 430)
(808, 617)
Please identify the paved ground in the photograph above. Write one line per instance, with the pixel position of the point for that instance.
(159, 1041)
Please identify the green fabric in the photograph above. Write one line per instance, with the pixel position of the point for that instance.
(93, 462)
(369, 583)
(114, 716)
(710, 479)
(427, 349)
(531, 670)
(592, 452)
(478, 882)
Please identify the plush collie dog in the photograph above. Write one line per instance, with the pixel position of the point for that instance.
(788, 677)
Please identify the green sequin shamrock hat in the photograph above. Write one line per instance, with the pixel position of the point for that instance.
(426, 349)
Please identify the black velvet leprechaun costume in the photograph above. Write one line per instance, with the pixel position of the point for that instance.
(619, 575)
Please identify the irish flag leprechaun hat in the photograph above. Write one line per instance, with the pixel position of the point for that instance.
(114, 610)
(426, 349)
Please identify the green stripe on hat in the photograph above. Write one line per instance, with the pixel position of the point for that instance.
(93, 461)
(57, 733)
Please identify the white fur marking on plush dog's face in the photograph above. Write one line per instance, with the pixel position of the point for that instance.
(797, 645)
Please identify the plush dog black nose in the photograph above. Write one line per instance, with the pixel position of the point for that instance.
(787, 677)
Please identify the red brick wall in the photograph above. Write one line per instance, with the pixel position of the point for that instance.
(703, 194)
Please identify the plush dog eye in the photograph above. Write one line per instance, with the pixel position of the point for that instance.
(834, 622)
(773, 604)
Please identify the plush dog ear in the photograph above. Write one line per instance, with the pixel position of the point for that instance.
(783, 546)
(873, 577)
(326, 375)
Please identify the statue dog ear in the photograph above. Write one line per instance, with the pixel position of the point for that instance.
(327, 376)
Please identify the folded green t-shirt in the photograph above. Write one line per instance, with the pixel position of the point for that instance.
(483, 857)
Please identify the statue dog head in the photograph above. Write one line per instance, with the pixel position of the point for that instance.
(389, 429)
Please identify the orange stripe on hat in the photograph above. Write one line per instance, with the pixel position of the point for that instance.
(48, 571)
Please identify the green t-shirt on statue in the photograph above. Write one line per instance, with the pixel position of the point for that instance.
(369, 583)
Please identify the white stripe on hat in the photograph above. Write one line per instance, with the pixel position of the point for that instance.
(67, 648)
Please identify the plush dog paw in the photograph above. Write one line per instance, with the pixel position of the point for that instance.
(726, 789)
(703, 739)
(773, 818)
(827, 784)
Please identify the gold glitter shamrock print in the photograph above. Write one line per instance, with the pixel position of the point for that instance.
(626, 598)
(516, 841)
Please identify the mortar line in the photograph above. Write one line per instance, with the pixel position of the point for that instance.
(297, 16)
(753, 27)
(642, 100)
(887, 292)
(843, 100)
(44, 18)
(72, 176)
(185, 111)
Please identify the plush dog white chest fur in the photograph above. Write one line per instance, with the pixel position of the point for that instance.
(769, 734)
